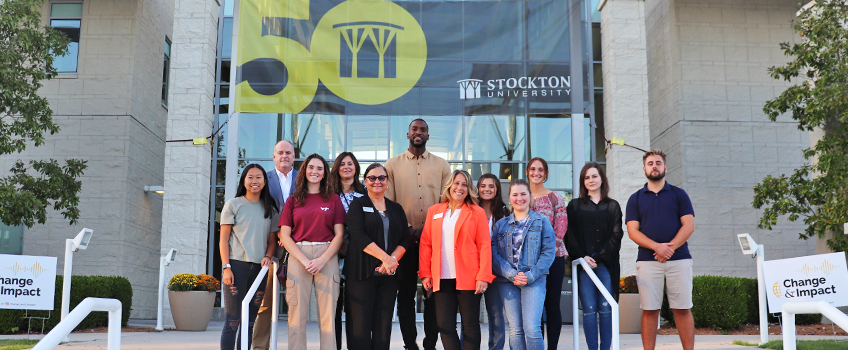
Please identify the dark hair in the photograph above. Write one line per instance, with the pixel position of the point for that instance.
(653, 152)
(544, 165)
(497, 206)
(264, 195)
(336, 178)
(300, 184)
(373, 166)
(584, 192)
(525, 183)
(417, 120)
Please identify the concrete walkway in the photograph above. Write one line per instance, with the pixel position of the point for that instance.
(170, 340)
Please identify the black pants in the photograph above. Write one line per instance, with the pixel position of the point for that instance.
(553, 316)
(406, 304)
(369, 305)
(339, 306)
(447, 299)
(244, 273)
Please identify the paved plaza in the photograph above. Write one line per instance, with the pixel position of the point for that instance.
(169, 339)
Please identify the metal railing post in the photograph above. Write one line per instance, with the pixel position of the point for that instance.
(613, 304)
(245, 305)
(575, 313)
(275, 265)
(61, 331)
(791, 308)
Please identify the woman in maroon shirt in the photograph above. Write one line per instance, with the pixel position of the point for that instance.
(312, 230)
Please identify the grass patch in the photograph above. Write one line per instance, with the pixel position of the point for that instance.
(17, 344)
(744, 343)
(808, 345)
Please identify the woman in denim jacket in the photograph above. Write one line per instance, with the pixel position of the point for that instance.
(523, 249)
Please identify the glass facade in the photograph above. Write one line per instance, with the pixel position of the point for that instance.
(496, 135)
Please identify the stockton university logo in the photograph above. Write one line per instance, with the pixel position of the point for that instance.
(364, 51)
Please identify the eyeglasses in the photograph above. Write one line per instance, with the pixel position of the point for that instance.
(381, 178)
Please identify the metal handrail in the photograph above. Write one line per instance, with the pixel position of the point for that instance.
(604, 292)
(790, 309)
(249, 296)
(61, 331)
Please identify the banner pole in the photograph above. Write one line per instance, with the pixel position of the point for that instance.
(231, 176)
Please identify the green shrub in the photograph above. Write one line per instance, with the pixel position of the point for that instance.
(718, 302)
(82, 287)
(710, 303)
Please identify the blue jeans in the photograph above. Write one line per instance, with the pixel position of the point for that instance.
(597, 313)
(243, 275)
(524, 313)
(495, 309)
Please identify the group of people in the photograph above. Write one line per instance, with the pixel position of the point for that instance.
(363, 249)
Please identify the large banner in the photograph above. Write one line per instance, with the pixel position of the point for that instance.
(403, 57)
(27, 282)
(822, 277)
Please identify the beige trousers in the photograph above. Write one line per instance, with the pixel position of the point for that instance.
(299, 290)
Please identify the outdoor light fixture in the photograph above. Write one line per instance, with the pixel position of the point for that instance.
(163, 261)
(156, 189)
(80, 242)
(750, 247)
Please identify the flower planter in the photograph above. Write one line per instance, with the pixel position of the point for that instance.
(630, 314)
(191, 310)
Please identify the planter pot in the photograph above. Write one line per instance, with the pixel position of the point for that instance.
(191, 310)
(630, 314)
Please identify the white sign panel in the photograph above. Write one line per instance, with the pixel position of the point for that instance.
(822, 277)
(27, 282)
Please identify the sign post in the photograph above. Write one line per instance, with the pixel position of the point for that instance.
(27, 282)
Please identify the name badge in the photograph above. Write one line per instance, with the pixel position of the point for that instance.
(368, 209)
(438, 216)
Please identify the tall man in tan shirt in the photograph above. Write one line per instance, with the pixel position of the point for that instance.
(416, 178)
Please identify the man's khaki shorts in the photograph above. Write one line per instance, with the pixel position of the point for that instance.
(651, 276)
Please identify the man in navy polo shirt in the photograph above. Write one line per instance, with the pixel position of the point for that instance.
(660, 219)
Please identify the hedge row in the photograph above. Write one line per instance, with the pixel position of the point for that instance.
(115, 287)
(722, 302)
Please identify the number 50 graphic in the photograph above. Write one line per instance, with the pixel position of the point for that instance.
(364, 51)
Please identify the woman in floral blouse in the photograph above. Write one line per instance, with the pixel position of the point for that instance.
(551, 205)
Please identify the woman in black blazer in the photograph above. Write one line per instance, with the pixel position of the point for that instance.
(378, 240)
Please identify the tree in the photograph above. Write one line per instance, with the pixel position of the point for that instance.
(26, 51)
(817, 192)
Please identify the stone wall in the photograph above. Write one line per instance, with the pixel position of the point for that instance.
(708, 82)
(110, 115)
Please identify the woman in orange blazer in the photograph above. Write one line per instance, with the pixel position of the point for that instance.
(455, 260)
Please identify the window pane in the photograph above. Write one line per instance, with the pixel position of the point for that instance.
(504, 171)
(227, 38)
(596, 41)
(445, 136)
(67, 63)
(495, 137)
(221, 138)
(11, 239)
(225, 71)
(596, 15)
(228, 7)
(312, 133)
(559, 177)
(599, 75)
(258, 133)
(550, 137)
(599, 121)
(587, 140)
(547, 32)
(66, 10)
(368, 137)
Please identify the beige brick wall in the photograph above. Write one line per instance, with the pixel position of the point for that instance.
(110, 115)
(708, 82)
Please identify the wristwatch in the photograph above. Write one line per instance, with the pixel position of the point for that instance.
(226, 266)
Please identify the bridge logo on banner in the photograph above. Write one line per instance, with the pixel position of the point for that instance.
(809, 278)
(27, 282)
(364, 51)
